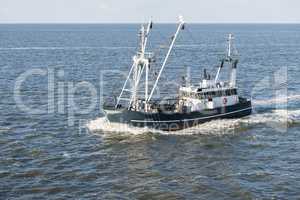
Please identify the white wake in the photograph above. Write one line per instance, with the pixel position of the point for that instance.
(277, 119)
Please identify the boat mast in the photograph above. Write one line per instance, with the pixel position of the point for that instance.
(232, 61)
(229, 59)
(150, 24)
(139, 68)
(230, 38)
(139, 64)
(180, 26)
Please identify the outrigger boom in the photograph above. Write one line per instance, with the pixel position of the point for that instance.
(180, 26)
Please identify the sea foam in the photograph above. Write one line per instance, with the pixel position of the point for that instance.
(277, 119)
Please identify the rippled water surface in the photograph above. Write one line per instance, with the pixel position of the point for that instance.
(49, 149)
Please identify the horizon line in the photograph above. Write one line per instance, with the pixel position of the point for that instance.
(139, 22)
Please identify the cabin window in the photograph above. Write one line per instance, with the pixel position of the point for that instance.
(212, 94)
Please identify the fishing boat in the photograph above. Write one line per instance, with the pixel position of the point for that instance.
(210, 99)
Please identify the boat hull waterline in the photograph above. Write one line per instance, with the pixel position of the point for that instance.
(176, 121)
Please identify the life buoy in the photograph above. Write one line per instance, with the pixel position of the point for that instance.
(225, 101)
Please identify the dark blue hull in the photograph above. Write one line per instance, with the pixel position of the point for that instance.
(177, 121)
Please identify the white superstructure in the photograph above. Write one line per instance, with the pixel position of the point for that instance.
(212, 93)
